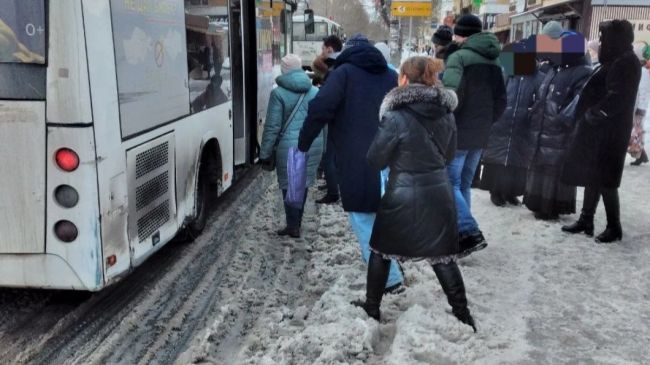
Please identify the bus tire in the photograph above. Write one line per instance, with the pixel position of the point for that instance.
(199, 221)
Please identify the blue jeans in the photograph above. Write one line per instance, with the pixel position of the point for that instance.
(362, 226)
(461, 173)
(329, 167)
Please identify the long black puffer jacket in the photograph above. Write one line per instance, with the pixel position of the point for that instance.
(552, 118)
(509, 143)
(596, 154)
(417, 136)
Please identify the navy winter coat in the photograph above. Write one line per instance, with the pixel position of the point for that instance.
(510, 137)
(349, 103)
(552, 120)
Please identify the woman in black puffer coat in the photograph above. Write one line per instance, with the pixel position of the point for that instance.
(552, 123)
(417, 215)
(596, 154)
(508, 155)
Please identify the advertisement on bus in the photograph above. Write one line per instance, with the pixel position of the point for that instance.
(150, 53)
(22, 31)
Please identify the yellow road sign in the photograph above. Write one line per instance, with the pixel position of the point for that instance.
(411, 8)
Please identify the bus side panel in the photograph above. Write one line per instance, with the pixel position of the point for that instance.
(67, 72)
(84, 253)
(22, 180)
(111, 154)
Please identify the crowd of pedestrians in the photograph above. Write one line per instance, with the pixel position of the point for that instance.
(404, 145)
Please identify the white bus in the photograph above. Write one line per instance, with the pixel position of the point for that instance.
(117, 119)
(309, 45)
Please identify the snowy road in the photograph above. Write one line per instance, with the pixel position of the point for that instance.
(241, 295)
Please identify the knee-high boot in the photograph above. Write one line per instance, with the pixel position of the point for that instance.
(613, 232)
(378, 269)
(452, 284)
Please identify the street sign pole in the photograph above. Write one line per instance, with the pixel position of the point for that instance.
(410, 30)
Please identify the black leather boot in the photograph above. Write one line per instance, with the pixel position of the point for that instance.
(584, 224)
(452, 284)
(376, 282)
(640, 160)
(610, 234)
(497, 199)
(613, 232)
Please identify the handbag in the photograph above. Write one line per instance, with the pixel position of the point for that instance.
(270, 166)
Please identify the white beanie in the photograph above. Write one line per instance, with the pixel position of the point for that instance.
(290, 62)
(383, 48)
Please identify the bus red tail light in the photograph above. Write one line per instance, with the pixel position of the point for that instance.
(66, 231)
(67, 159)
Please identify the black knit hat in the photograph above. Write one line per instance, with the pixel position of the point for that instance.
(442, 36)
(467, 25)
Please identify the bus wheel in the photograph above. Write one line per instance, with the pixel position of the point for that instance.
(198, 223)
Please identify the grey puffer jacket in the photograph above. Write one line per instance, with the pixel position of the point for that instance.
(416, 139)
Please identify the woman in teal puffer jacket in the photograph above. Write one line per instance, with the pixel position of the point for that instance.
(291, 85)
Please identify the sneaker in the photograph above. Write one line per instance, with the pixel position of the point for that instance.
(291, 232)
(395, 289)
(471, 243)
(328, 199)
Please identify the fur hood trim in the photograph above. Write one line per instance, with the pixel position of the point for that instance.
(418, 93)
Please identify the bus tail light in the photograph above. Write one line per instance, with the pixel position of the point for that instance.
(66, 231)
(67, 159)
(66, 196)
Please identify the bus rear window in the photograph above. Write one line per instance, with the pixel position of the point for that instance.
(22, 31)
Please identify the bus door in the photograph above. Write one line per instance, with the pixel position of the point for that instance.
(237, 80)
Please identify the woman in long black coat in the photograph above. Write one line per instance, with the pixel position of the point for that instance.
(417, 215)
(552, 123)
(596, 155)
(508, 155)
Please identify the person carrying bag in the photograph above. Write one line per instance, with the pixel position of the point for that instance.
(285, 116)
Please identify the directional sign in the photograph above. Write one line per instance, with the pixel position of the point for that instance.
(411, 8)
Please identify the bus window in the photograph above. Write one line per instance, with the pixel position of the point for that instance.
(151, 64)
(208, 64)
(298, 31)
(320, 32)
(22, 50)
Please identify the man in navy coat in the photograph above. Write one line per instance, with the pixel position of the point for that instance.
(349, 104)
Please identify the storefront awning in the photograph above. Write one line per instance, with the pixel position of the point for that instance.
(548, 12)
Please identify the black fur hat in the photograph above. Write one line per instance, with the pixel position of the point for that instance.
(616, 38)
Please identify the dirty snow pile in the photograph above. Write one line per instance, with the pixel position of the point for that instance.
(538, 296)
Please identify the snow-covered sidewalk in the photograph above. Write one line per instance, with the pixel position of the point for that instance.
(539, 296)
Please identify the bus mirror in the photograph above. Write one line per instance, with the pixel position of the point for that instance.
(309, 21)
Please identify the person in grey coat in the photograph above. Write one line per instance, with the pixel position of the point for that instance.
(293, 83)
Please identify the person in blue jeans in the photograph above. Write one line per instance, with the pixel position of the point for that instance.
(474, 72)
(348, 104)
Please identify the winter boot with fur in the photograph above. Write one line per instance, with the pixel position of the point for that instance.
(584, 224)
(452, 284)
(377, 277)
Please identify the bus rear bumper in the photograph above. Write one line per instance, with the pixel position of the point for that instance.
(43, 271)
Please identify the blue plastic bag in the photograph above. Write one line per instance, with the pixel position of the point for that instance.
(297, 177)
